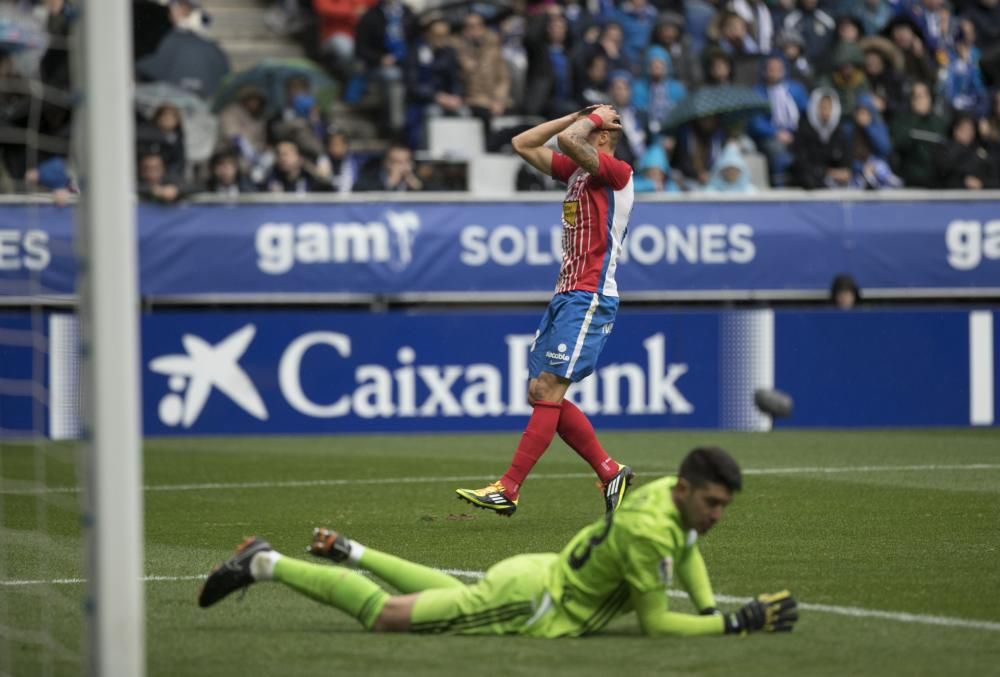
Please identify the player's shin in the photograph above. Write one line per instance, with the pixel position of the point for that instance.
(576, 430)
(404, 575)
(537, 437)
(342, 588)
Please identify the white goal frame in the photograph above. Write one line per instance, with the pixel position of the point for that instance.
(109, 323)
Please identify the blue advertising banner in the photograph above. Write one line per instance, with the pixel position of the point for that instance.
(328, 371)
(423, 249)
(312, 372)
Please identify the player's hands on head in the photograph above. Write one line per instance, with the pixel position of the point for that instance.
(611, 118)
(770, 613)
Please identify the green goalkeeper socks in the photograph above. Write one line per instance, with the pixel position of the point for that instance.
(350, 592)
(403, 575)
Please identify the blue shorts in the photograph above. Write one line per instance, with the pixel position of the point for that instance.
(572, 334)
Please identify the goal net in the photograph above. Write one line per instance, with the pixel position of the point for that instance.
(70, 508)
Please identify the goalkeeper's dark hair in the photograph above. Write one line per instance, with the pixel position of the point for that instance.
(711, 464)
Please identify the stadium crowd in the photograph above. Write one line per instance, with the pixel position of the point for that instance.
(849, 94)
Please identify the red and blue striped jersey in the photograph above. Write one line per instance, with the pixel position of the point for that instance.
(595, 219)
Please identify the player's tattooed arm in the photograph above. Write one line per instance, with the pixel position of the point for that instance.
(573, 142)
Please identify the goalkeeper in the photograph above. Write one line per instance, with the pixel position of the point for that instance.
(624, 562)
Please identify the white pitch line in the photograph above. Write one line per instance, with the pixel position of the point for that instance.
(853, 611)
(298, 484)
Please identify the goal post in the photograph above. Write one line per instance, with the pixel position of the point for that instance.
(107, 286)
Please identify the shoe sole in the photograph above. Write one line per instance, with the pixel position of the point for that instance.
(504, 512)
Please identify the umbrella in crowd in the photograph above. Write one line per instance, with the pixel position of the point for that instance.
(186, 59)
(270, 75)
(200, 126)
(726, 100)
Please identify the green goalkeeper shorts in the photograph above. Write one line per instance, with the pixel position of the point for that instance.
(510, 600)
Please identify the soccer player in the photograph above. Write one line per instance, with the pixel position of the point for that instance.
(582, 312)
(621, 563)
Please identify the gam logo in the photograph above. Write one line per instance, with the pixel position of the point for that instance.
(280, 246)
(969, 242)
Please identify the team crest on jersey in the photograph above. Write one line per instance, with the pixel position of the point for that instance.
(569, 211)
(667, 570)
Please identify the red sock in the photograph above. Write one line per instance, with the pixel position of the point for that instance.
(537, 437)
(576, 431)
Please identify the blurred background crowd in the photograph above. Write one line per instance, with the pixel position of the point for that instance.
(303, 96)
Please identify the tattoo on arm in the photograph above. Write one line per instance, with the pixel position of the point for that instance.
(574, 143)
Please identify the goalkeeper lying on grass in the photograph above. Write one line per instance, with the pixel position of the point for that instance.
(622, 563)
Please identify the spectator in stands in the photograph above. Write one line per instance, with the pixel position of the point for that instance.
(515, 56)
(586, 33)
(883, 67)
(730, 173)
(717, 66)
(396, 173)
(934, 20)
(226, 176)
(844, 292)
(815, 26)
(985, 16)
(822, 153)
(433, 80)
(905, 34)
(636, 18)
(656, 93)
(153, 183)
(654, 172)
(989, 126)
(857, 104)
(869, 171)
(760, 23)
(54, 175)
(338, 24)
(635, 123)
(485, 78)
(698, 14)
(918, 137)
(774, 133)
(963, 86)
(873, 14)
(339, 166)
(168, 134)
(848, 29)
(300, 119)
(792, 47)
(965, 163)
(592, 88)
(847, 76)
(549, 84)
(290, 174)
(383, 33)
(669, 34)
(186, 56)
(729, 32)
(243, 125)
(610, 44)
(699, 145)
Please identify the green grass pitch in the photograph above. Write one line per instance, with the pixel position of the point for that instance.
(906, 522)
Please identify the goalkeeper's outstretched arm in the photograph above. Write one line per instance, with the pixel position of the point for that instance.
(769, 613)
(693, 576)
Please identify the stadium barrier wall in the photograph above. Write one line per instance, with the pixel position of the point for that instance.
(267, 371)
(443, 248)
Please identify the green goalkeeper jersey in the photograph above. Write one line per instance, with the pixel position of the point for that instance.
(627, 562)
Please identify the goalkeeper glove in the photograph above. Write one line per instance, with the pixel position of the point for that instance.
(770, 613)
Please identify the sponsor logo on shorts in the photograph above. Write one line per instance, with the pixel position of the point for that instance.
(560, 357)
